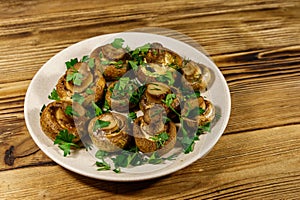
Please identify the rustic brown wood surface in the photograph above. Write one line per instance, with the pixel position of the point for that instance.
(256, 45)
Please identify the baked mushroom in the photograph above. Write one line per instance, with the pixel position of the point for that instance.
(198, 112)
(62, 115)
(196, 75)
(123, 95)
(153, 72)
(111, 61)
(161, 55)
(110, 132)
(154, 133)
(81, 80)
(157, 93)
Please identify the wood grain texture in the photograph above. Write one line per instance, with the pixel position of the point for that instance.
(256, 45)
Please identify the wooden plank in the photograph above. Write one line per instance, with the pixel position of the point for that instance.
(249, 165)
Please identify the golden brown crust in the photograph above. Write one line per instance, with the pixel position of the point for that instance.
(95, 83)
(105, 57)
(148, 145)
(54, 119)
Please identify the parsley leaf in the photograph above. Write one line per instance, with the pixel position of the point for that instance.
(167, 77)
(71, 63)
(117, 43)
(84, 58)
(76, 77)
(160, 139)
(91, 63)
(89, 91)
(132, 115)
(98, 110)
(70, 111)
(100, 124)
(137, 95)
(65, 141)
(106, 106)
(145, 48)
(133, 65)
(54, 95)
(102, 164)
(168, 101)
(78, 98)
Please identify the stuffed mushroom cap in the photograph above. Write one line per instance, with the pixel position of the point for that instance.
(62, 115)
(195, 75)
(110, 132)
(110, 61)
(147, 136)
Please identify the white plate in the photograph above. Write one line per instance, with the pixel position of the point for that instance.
(82, 162)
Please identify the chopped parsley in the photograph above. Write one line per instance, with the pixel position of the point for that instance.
(167, 78)
(54, 95)
(76, 77)
(137, 95)
(102, 164)
(89, 91)
(71, 63)
(132, 116)
(78, 98)
(160, 139)
(117, 43)
(97, 109)
(84, 59)
(65, 141)
(70, 111)
(91, 63)
(100, 124)
(133, 65)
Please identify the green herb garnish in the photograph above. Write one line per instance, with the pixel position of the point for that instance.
(84, 58)
(137, 95)
(54, 95)
(71, 63)
(89, 91)
(102, 164)
(97, 109)
(65, 141)
(160, 139)
(78, 98)
(133, 65)
(132, 115)
(70, 111)
(167, 77)
(91, 63)
(76, 77)
(117, 43)
(100, 124)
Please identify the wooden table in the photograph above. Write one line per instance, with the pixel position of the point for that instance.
(256, 45)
